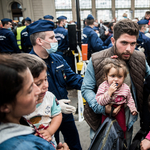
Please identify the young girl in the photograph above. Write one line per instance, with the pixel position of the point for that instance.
(114, 91)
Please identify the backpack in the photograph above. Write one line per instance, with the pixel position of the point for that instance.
(109, 136)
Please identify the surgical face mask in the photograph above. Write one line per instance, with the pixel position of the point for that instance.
(66, 25)
(9, 28)
(147, 30)
(53, 48)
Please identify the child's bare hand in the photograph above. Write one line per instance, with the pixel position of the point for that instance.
(112, 88)
(134, 113)
(46, 135)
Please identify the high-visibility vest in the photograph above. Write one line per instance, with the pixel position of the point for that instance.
(18, 37)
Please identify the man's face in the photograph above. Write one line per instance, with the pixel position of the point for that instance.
(9, 25)
(49, 38)
(124, 46)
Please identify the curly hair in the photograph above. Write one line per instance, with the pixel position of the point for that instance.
(114, 63)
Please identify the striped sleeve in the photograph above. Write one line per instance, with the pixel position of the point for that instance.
(130, 101)
(102, 96)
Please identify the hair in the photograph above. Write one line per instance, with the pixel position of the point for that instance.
(110, 25)
(23, 21)
(141, 25)
(147, 12)
(4, 22)
(114, 63)
(34, 63)
(125, 26)
(124, 15)
(59, 21)
(28, 22)
(34, 36)
(11, 79)
(89, 22)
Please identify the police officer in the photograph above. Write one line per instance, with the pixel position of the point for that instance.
(17, 32)
(91, 38)
(48, 17)
(8, 43)
(59, 75)
(61, 34)
(25, 39)
(143, 40)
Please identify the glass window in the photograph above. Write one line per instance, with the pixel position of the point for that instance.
(122, 3)
(16, 5)
(85, 3)
(143, 4)
(103, 3)
(140, 13)
(84, 13)
(68, 14)
(119, 13)
(104, 15)
(63, 4)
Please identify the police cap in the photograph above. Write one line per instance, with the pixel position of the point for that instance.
(40, 26)
(48, 17)
(27, 19)
(62, 17)
(142, 22)
(6, 20)
(90, 17)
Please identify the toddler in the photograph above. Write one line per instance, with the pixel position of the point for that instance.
(114, 91)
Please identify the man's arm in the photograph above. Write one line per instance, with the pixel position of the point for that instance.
(14, 43)
(88, 89)
(72, 79)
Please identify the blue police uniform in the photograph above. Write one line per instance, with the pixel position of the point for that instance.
(61, 34)
(90, 37)
(144, 42)
(8, 43)
(108, 41)
(59, 76)
(25, 41)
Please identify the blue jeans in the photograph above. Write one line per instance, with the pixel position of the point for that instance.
(70, 132)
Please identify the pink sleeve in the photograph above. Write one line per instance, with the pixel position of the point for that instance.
(130, 102)
(148, 136)
(102, 96)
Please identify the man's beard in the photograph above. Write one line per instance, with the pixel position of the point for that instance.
(120, 55)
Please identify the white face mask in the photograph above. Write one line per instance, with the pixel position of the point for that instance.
(53, 48)
(147, 30)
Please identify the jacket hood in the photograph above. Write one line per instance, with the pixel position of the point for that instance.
(9, 130)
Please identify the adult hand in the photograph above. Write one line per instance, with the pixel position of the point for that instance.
(145, 144)
(63, 146)
(65, 108)
(115, 111)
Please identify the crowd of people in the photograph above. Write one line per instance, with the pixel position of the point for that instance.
(36, 71)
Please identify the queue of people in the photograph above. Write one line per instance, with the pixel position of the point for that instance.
(34, 103)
